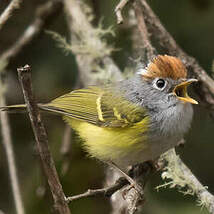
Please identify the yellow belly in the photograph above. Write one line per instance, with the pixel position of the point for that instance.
(111, 143)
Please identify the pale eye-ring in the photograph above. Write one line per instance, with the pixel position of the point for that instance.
(160, 84)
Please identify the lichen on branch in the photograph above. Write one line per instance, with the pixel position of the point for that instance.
(180, 176)
(94, 45)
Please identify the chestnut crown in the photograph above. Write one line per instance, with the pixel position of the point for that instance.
(166, 67)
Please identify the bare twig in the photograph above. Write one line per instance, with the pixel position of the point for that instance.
(107, 191)
(49, 168)
(44, 16)
(161, 35)
(141, 171)
(118, 10)
(182, 176)
(14, 4)
(150, 50)
(7, 142)
(130, 195)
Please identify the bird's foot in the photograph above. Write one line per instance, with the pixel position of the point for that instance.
(133, 183)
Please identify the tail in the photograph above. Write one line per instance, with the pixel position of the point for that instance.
(21, 108)
(14, 108)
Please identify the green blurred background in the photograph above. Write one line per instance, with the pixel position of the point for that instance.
(191, 22)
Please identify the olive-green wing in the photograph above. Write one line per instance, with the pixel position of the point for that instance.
(98, 106)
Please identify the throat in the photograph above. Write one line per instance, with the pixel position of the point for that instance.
(172, 122)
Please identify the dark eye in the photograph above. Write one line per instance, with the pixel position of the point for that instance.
(160, 84)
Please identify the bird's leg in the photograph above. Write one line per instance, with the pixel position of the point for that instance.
(129, 179)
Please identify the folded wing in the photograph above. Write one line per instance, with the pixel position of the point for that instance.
(98, 106)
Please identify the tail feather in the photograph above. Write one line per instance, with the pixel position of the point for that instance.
(14, 108)
(21, 108)
(53, 109)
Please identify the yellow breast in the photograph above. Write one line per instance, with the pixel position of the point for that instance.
(111, 143)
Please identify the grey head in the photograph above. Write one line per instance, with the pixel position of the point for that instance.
(161, 88)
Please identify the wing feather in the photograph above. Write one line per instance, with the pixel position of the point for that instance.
(98, 106)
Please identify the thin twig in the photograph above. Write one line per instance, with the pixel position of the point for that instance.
(150, 50)
(44, 15)
(141, 171)
(7, 142)
(130, 195)
(42, 146)
(118, 10)
(107, 191)
(14, 4)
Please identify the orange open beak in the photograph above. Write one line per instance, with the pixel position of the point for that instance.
(180, 91)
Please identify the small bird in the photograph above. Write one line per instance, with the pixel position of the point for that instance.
(134, 120)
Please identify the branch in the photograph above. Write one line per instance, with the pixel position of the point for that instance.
(14, 4)
(44, 15)
(7, 143)
(46, 159)
(157, 30)
(95, 65)
(147, 46)
(130, 196)
(118, 11)
(182, 176)
(106, 192)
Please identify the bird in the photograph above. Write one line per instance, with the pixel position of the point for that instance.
(131, 121)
